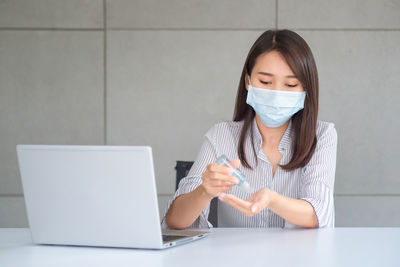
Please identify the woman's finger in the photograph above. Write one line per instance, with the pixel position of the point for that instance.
(216, 183)
(222, 177)
(219, 168)
(224, 188)
(235, 163)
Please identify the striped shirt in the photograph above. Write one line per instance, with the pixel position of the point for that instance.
(313, 183)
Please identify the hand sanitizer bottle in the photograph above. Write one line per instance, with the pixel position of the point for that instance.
(243, 184)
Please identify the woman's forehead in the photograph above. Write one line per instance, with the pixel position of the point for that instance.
(274, 63)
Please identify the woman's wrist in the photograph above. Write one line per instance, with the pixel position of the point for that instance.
(203, 194)
(273, 198)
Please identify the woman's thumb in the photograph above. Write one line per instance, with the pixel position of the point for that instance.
(235, 163)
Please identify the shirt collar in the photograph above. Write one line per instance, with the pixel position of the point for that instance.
(285, 141)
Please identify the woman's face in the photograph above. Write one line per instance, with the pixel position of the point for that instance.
(272, 72)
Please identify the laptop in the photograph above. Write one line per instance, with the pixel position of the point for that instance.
(94, 196)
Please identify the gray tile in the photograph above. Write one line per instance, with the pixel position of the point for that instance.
(167, 88)
(339, 14)
(364, 211)
(13, 212)
(51, 14)
(51, 93)
(225, 14)
(359, 84)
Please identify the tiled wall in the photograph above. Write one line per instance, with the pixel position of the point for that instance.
(161, 73)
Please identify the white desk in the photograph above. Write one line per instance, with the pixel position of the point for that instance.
(224, 247)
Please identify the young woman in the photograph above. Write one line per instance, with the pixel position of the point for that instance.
(286, 154)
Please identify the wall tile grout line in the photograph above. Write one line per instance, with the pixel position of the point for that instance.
(346, 29)
(335, 195)
(105, 69)
(51, 29)
(244, 29)
(171, 194)
(276, 14)
(192, 29)
(366, 195)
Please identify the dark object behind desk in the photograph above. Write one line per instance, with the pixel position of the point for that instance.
(182, 169)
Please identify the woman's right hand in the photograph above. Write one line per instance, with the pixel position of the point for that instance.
(217, 178)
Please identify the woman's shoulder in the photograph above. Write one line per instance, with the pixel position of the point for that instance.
(326, 131)
(224, 128)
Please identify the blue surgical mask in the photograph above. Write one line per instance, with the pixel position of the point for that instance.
(274, 107)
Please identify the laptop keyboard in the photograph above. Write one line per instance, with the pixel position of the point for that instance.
(167, 238)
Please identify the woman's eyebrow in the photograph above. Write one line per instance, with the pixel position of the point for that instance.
(270, 74)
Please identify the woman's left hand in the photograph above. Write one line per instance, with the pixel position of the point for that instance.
(251, 206)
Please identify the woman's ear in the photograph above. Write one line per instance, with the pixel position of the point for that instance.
(246, 82)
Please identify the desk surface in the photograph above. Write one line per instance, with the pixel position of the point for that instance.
(223, 247)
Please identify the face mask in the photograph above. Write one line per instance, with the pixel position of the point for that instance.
(274, 107)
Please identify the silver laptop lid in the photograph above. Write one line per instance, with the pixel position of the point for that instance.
(91, 195)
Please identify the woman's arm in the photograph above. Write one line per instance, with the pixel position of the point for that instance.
(186, 208)
(296, 211)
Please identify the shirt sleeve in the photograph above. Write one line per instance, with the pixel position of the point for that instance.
(206, 155)
(319, 177)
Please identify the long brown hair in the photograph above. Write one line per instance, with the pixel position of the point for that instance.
(300, 59)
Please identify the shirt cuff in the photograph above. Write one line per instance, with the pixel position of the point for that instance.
(320, 197)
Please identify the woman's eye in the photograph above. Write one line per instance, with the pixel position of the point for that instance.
(292, 85)
(265, 82)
